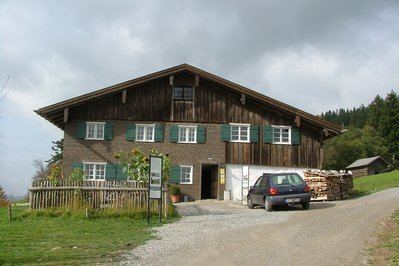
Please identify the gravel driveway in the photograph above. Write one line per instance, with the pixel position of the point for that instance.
(226, 233)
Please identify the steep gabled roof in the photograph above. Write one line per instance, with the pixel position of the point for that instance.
(365, 162)
(55, 112)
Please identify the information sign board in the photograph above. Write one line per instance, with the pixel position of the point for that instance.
(155, 181)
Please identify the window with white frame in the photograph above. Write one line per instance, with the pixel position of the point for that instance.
(95, 130)
(187, 134)
(240, 133)
(94, 171)
(186, 174)
(145, 132)
(281, 135)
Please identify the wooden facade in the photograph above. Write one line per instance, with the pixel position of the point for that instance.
(215, 102)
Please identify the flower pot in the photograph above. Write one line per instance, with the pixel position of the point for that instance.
(175, 198)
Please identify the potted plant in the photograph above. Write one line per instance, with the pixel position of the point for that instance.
(174, 193)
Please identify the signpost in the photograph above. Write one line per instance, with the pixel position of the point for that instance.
(245, 183)
(155, 184)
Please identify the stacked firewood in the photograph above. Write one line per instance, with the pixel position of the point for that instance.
(329, 185)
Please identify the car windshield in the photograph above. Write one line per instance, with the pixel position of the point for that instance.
(287, 179)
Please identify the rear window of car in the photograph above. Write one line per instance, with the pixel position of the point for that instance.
(284, 180)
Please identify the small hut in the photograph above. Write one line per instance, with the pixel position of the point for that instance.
(369, 166)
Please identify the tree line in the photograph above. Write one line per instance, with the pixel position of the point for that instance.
(371, 130)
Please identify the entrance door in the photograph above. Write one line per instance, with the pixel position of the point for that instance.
(209, 181)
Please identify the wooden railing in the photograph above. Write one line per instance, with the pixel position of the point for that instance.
(94, 194)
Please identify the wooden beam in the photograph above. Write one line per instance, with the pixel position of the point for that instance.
(124, 93)
(171, 78)
(66, 113)
(242, 100)
(297, 121)
(325, 131)
(196, 81)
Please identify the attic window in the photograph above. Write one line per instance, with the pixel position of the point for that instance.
(183, 93)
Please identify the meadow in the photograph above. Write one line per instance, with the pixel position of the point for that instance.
(53, 237)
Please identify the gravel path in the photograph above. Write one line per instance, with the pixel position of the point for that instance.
(220, 233)
(200, 220)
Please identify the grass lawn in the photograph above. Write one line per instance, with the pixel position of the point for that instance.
(47, 240)
(373, 183)
(386, 249)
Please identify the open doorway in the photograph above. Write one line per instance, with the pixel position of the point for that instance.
(209, 181)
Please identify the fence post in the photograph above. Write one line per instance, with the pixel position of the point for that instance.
(9, 212)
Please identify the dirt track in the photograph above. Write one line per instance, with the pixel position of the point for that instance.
(330, 233)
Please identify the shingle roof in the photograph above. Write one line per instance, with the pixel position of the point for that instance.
(364, 162)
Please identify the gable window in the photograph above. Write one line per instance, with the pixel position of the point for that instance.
(187, 134)
(239, 133)
(94, 171)
(186, 174)
(183, 93)
(95, 130)
(281, 135)
(145, 132)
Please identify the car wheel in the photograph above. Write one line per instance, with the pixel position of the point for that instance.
(268, 206)
(250, 203)
(306, 205)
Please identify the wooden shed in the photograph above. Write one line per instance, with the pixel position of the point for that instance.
(369, 166)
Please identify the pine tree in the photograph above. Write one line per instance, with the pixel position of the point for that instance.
(58, 148)
(3, 197)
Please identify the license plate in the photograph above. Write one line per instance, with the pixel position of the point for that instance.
(292, 200)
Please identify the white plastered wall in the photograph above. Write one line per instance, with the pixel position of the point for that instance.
(234, 176)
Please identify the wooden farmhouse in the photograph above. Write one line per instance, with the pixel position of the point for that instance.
(217, 133)
(369, 166)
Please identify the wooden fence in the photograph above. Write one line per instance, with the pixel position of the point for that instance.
(94, 194)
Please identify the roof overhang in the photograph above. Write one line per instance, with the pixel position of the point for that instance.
(58, 112)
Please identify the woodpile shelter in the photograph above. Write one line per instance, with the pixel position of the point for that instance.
(219, 134)
(369, 166)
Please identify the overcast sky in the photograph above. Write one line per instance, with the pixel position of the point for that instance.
(313, 55)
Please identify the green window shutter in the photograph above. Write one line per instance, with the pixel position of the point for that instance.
(225, 133)
(81, 130)
(175, 173)
(120, 175)
(77, 165)
(201, 134)
(110, 172)
(131, 132)
(174, 134)
(295, 135)
(268, 134)
(108, 134)
(254, 137)
(158, 137)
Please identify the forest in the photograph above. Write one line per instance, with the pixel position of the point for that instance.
(371, 130)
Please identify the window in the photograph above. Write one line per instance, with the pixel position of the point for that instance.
(281, 135)
(239, 133)
(187, 134)
(94, 171)
(145, 132)
(287, 180)
(95, 130)
(183, 93)
(186, 174)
